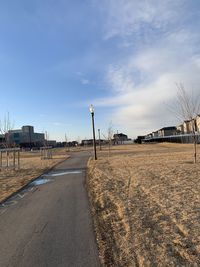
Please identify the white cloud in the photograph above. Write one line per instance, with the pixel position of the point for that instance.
(143, 81)
(85, 81)
(125, 17)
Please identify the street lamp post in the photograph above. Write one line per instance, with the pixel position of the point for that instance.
(94, 140)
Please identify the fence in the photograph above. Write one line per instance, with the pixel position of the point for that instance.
(46, 152)
(182, 138)
(10, 158)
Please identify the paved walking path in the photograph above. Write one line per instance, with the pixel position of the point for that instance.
(50, 224)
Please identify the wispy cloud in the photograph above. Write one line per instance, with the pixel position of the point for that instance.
(125, 17)
(85, 81)
(143, 80)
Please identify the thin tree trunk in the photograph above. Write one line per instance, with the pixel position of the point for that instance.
(195, 149)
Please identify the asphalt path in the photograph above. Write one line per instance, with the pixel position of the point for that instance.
(50, 224)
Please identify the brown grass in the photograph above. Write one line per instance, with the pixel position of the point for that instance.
(31, 166)
(155, 222)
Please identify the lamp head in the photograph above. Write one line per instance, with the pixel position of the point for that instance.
(92, 109)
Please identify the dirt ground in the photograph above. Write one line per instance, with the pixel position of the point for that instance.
(146, 205)
(31, 166)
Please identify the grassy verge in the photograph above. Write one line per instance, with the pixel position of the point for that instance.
(145, 201)
(31, 166)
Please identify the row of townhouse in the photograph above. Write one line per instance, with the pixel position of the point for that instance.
(190, 126)
(165, 131)
(184, 131)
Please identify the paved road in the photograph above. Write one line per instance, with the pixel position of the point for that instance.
(50, 224)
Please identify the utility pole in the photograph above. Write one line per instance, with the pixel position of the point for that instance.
(93, 128)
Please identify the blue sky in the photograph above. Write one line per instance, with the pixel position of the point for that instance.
(124, 56)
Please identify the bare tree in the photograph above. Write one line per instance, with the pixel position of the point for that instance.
(109, 136)
(5, 127)
(78, 140)
(66, 142)
(46, 139)
(187, 108)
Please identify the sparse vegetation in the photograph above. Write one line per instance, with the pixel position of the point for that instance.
(187, 107)
(31, 166)
(5, 126)
(160, 226)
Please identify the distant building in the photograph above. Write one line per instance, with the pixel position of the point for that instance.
(155, 134)
(87, 142)
(186, 127)
(180, 129)
(51, 143)
(183, 133)
(198, 123)
(2, 140)
(167, 131)
(149, 136)
(189, 126)
(26, 137)
(119, 138)
(139, 139)
(72, 143)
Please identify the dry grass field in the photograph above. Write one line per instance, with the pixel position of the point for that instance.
(31, 166)
(146, 205)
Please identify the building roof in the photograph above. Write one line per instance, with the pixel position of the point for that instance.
(16, 131)
(120, 134)
(168, 128)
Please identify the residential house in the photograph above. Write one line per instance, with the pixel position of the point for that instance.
(180, 129)
(119, 138)
(149, 136)
(155, 134)
(188, 126)
(167, 131)
(197, 120)
(139, 139)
